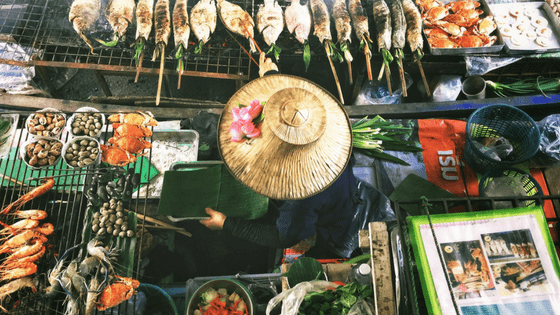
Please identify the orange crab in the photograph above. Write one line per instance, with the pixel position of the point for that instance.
(442, 43)
(436, 13)
(460, 20)
(462, 5)
(475, 41)
(122, 130)
(485, 26)
(451, 28)
(131, 144)
(137, 119)
(121, 290)
(426, 5)
(115, 156)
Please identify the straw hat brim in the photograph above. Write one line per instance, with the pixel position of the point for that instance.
(272, 166)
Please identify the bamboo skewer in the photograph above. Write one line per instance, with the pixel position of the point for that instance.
(161, 66)
(180, 74)
(388, 77)
(426, 85)
(139, 66)
(335, 75)
(368, 58)
(350, 72)
(403, 79)
(245, 50)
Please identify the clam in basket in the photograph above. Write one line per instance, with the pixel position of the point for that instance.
(499, 136)
(81, 152)
(47, 122)
(41, 152)
(86, 121)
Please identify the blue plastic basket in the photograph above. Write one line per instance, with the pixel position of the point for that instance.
(528, 182)
(494, 121)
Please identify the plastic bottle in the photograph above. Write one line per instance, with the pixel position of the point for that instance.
(361, 273)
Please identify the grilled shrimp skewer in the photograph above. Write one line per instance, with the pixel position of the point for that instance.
(83, 13)
(144, 22)
(203, 21)
(398, 40)
(181, 33)
(120, 14)
(382, 17)
(298, 22)
(270, 22)
(361, 25)
(414, 36)
(162, 24)
(238, 21)
(343, 31)
(322, 24)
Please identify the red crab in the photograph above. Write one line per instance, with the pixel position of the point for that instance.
(122, 130)
(116, 156)
(131, 144)
(121, 290)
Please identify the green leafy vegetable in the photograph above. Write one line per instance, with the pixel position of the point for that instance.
(304, 269)
(387, 59)
(306, 55)
(108, 44)
(337, 301)
(138, 48)
(276, 50)
(198, 47)
(332, 51)
(525, 86)
(346, 52)
(5, 126)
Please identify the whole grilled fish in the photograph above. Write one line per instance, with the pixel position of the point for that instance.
(342, 21)
(162, 25)
(270, 21)
(83, 13)
(413, 25)
(321, 20)
(359, 19)
(203, 19)
(398, 39)
(298, 20)
(237, 20)
(181, 27)
(382, 18)
(120, 14)
(144, 19)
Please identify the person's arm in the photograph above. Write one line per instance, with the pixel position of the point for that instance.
(266, 66)
(261, 234)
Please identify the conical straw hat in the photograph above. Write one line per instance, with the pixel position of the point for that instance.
(305, 141)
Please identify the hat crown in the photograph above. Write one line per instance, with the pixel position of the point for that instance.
(294, 113)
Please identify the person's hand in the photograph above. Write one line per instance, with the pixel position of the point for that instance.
(266, 64)
(216, 220)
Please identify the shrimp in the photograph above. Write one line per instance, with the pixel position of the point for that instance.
(91, 297)
(94, 249)
(45, 229)
(26, 269)
(13, 286)
(31, 214)
(32, 258)
(78, 282)
(36, 192)
(88, 265)
(20, 225)
(20, 239)
(26, 250)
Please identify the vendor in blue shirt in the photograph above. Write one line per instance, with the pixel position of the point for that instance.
(324, 217)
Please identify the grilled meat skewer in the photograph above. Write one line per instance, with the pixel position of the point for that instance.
(144, 23)
(414, 35)
(181, 33)
(238, 21)
(203, 21)
(398, 40)
(162, 24)
(83, 13)
(382, 18)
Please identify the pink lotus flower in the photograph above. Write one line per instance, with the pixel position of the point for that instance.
(243, 125)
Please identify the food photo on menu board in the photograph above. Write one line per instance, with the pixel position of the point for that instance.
(487, 262)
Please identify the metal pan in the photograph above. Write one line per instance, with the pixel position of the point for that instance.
(537, 9)
(497, 47)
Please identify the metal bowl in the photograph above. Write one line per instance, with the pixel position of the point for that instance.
(228, 284)
(85, 110)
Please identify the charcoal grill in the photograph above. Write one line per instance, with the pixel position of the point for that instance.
(66, 206)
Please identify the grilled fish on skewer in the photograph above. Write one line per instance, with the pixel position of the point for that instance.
(83, 13)
(398, 39)
(162, 24)
(120, 14)
(203, 21)
(361, 29)
(181, 32)
(382, 18)
(298, 20)
(237, 21)
(343, 31)
(144, 22)
(270, 22)
(414, 35)
(321, 20)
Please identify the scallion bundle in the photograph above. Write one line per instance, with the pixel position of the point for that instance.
(374, 136)
(525, 86)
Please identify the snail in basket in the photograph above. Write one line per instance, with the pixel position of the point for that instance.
(43, 152)
(46, 124)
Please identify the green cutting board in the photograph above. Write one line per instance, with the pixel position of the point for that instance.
(186, 193)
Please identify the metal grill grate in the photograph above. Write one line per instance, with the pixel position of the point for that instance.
(66, 206)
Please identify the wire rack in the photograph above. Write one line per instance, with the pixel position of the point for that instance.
(66, 206)
(411, 299)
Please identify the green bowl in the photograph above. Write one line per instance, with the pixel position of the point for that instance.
(228, 284)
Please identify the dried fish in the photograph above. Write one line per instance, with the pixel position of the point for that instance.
(321, 20)
(120, 14)
(181, 32)
(83, 13)
(398, 39)
(298, 20)
(203, 21)
(162, 24)
(270, 22)
(237, 20)
(382, 18)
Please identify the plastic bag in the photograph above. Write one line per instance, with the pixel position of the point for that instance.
(206, 124)
(377, 92)
(361, 308)
(496, 148)
(444, 88)
(291, 299)
(371, 206)
(481, 65)
(549, 147)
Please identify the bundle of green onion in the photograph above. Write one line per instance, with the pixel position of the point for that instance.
(375, 135)
(526, 86)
